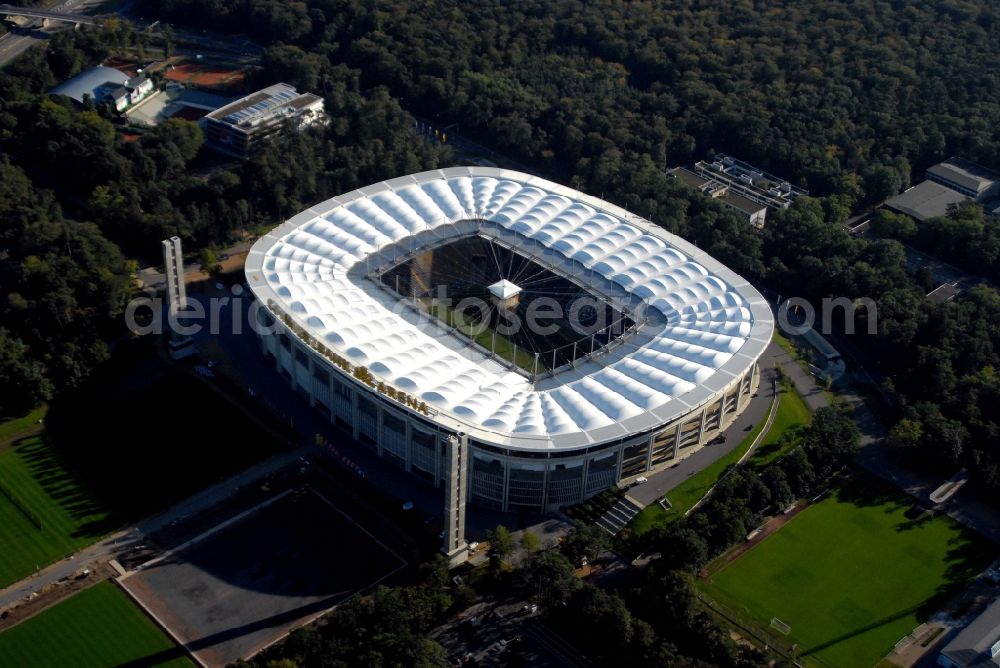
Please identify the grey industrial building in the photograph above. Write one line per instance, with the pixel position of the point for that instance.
(948, 184)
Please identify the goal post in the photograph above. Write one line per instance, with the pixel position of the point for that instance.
(780, 626)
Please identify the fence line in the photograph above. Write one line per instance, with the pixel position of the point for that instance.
(759, 634)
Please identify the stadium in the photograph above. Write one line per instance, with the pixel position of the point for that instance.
(569, 343)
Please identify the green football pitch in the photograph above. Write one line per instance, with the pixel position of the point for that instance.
(38, 489)
(97, 627)
(850, 575)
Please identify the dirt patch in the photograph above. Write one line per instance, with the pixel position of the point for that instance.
(207, 76)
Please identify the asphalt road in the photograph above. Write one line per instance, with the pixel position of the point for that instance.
(13, 44)
(661, 482)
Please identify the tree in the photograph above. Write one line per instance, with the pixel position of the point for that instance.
(530, 542)
(885, 223)
(169, 39)
(291, 65)
(547, 577)
(833, 433)
(781, 493)
(906, 435)
(683, 548)
(23, 383)
(210, 262)
(584, 541)
(604, 615)
(501, 546)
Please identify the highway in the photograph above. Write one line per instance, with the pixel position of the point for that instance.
(13, 44)
(30, 13)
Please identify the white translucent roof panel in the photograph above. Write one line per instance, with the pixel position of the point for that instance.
(711, 320)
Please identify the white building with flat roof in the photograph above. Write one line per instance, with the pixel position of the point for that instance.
(235, 128)
(948, 184)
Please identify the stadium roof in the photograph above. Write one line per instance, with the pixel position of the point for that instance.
(90, 82)
(706, 326)
(926, 200)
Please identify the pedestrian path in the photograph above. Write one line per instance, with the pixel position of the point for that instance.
(618, 515)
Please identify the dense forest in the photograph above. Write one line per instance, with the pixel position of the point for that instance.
(850, 100)
(73, 193)
(836, 97)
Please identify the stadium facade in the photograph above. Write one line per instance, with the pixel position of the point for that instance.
(666, 357)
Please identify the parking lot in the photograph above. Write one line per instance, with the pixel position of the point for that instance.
(500, 634)
(236, 590)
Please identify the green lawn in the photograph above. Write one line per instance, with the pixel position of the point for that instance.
(13, 428)
(792, 415)
(786, 345)
(98, 627)
(70, 516)
(487, 337)
(852, 574)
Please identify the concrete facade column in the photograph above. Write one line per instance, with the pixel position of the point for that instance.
(438, 454)
(649, 453)
(355, 415)
(740, 393)
(408, 451)
(457, 452)
(378, 427)
(583, 484)
(677, 438)
(310, 367)
(506, 484)
(545, 486)
(701, 427)
(331, 383)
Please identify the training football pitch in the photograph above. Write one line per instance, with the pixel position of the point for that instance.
(850, 575)
(45, 511)
(97, 627)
